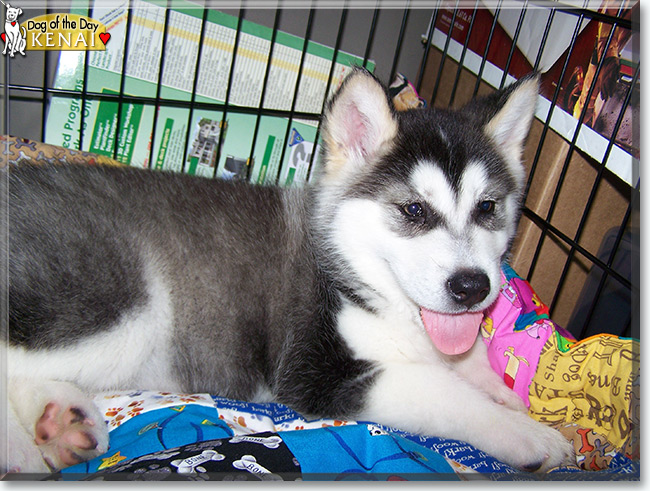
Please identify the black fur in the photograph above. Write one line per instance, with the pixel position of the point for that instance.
(420, 140)
(450, 140)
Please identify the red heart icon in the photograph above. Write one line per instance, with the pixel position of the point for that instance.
(104, 36)
(13, 23)
(4, 37)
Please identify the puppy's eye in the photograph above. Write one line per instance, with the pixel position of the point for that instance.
(486, 206)
(413, 210)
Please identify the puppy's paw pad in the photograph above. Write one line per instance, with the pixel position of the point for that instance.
(69, 435)
(533, 467)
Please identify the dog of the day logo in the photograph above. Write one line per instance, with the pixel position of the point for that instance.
(56, 32)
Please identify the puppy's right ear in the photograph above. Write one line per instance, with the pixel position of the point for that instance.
(506, 117)
(359, 125)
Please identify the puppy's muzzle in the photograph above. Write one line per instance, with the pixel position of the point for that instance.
(467, 288)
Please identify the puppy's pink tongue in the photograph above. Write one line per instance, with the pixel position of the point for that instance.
(452, 334)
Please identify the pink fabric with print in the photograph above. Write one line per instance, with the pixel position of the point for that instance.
(514, 351)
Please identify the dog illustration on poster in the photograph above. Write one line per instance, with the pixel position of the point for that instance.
(14, 40)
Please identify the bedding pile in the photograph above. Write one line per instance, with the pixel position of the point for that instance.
(164, 436)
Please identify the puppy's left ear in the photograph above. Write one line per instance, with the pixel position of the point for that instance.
(507, 116)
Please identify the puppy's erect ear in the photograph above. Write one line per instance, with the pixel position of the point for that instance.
(507, 116)
(359, 125)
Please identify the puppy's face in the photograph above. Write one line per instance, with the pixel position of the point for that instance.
(426, 201)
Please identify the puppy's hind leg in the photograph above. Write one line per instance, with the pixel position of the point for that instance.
(54, 421)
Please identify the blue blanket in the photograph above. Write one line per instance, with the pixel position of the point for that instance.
(162, 436)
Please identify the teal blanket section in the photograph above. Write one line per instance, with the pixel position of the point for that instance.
(344, 452)
(157, 430)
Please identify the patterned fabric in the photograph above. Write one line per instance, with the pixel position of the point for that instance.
(15, 150)
(163, 436)
(201, 438)
(588, 389)
(515, 329)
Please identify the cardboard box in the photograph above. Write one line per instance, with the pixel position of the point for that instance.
(611, 198)
(610, 203)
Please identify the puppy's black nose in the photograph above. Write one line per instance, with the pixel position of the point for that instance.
(469, 287)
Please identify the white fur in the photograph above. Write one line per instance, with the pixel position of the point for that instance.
(362, 131)
(422, 391)
(29, 396)
(430, 398)
(359, 233)
(413, 271)
(460, 244)
(417, 388)
(130, 355)
(395, 336)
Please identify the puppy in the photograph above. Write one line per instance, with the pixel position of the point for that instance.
(357, 297)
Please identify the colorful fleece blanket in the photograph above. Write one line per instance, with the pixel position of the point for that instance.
(163, 436)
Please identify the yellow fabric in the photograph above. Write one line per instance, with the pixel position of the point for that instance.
(593, 383)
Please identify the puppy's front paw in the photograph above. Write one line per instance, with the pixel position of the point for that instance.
(535, 447)
(51, 425)
(68, 434)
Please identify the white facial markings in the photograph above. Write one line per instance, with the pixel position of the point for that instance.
(432, 183)
(459, 243)
(363, 237)
(408, 271)
(473, 188)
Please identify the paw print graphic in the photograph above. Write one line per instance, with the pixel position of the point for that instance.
(134, 411)
(189, 399)
(135, 408)
(113, 411)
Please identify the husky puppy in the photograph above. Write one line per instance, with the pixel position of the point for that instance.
(359, 297)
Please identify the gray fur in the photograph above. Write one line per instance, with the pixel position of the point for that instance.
(254, 281)
(82, 238)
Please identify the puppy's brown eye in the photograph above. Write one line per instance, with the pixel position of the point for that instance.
(413, 209)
